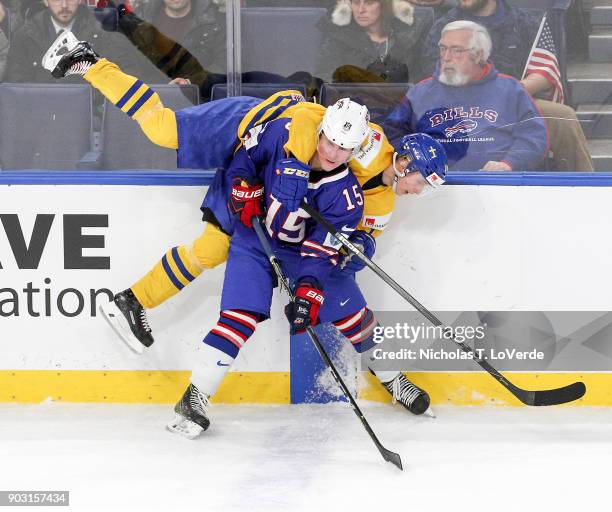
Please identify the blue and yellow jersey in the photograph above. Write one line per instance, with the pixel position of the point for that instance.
(369, 161)
(335, 194)
(207, 135)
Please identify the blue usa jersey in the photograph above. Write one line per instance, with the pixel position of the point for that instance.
(208, 135)
(335, 194)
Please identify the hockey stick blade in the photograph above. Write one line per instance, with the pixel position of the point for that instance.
(557, 396)
(535, 398)
(388, 455)
(391, 457)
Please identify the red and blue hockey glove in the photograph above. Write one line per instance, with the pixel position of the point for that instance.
(366, 243)
(304, 310)
(246, 200)
(291, 183)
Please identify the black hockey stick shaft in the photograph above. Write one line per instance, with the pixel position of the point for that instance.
(555, 396)
(388, 455)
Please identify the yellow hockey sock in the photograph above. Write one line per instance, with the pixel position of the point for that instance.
(137, 100)
(168, 277)
(181, 265)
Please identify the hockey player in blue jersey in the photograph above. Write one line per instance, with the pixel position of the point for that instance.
(184, 130)
(260, 173)
(206, 136)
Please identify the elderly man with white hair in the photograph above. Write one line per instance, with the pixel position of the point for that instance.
(485, 120)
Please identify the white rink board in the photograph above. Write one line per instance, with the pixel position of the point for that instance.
(487, 248)
(463, 248)
(143, 223)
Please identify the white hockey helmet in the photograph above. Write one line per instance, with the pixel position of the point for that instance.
(345, 123)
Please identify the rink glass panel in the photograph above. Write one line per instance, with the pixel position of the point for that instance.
(259, 46)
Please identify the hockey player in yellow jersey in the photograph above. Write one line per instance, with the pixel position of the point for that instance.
(206, 136)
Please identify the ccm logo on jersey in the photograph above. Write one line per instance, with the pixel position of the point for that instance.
(311, 294)
(298, 172)
(244, 194)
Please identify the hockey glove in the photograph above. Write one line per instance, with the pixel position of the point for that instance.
(246, 200)
(304, 310)
(291, 184)
(366, 243)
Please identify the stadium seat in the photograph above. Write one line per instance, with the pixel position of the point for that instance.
(281, 40)
(219, 91)
(380, 98)
(44, 126)
(124, 146)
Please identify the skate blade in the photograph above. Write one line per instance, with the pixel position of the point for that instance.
(114, 318)
(65, 40)
(429, 413)
(184, 427)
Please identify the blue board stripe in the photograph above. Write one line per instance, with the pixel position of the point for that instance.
(200, 177)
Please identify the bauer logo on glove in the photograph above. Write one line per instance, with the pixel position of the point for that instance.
(246, 200)
(304, 310)
(246, 192)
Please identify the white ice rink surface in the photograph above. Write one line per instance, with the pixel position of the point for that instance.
(313, 457)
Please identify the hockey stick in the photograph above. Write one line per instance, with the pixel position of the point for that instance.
(556, 396)
(388, 455)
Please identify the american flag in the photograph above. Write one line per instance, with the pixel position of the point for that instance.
(543, 60)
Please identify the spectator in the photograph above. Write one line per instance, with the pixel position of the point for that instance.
(168, 55)
(196, 25)
(484, 119)
(31, 41)
(513, 32)
(371, 41)
(4, 43)
(187, 40)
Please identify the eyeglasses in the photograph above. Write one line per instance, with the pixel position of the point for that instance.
(455, 51)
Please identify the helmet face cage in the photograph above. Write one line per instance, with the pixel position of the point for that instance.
(346, 124)
(425, 155)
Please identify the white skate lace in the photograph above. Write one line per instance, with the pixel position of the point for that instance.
(404, 391)
(144, 321)
(79, 68)
(198, 401)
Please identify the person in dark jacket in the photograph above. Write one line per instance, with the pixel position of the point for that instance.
(31, 41)
(371, 41)
(196, 25)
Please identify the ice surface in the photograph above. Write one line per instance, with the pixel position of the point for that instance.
(311, 457)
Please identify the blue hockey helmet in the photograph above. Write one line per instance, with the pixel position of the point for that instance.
(425, 154)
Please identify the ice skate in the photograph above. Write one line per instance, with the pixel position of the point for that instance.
(190, 418)
(413, 398)
(128, 319)
(69, 56)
